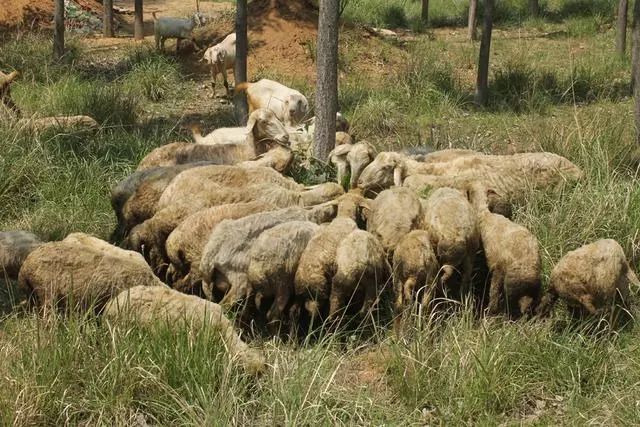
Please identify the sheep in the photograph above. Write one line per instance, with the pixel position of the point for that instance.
(5, 91)
(221, 58)
(510, 176)
(592, 279)
(273, 262)
(289, 105)
(99, 245)
(451, 222)
(415, 270)
(352, 157)
(394, 213)
(149, 305)
(263, 132)
(169, 28)
(361, 268)
(186, 242)
(73, 276)
(135, 198)
(225, 258)
(513, 257)
(15, 246)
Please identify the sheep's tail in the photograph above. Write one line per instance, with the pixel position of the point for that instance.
(242, 87)
(196, 132)
(155, 18)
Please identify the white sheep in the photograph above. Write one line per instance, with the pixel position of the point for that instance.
(288, 104)
(177, 28)
(221, 58)
(352, 159)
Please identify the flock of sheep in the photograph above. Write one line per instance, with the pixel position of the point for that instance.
(215, 225)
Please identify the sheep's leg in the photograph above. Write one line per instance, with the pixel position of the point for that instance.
(336, 299)
(213, 83)
(370, 296)
(162, 40)
(467, 270)
(398, 306)
(274, 316)
(158, 38)
(495, 292)
(226, 82)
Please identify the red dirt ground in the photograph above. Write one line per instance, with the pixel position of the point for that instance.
(16, 13)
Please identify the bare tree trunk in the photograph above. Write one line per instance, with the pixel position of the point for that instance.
(482, 84)
(473, 13)
(107, 20)
(138, 24)
(327, 83)
(534, 8)
(242, 47)
(635, 65)
(621, 39)
(58, 30)
(425, 11)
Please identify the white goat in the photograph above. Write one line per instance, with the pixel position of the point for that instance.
(289, 105)
(221, 58)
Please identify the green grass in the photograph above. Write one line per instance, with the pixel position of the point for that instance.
(566, 94)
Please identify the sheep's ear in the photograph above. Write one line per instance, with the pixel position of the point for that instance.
(397, 176)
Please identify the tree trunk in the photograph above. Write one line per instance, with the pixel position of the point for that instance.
(534, 8)
(621, 39)
(107, 20)
(635, 65)
(473, 13)
(242, 47)
(138, 24)
(327, 83)
(58, 30)
(482, 84)
(425, 11)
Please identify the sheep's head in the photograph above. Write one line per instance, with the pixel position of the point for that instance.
(359, 157)
(265, 127)
(386, 170)
(338, 157)
(296, 108)
(342, 125)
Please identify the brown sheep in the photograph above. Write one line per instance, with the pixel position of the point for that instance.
(513, 256)
(592, 280)
(150, 305)
(73, 276)
(279, 158)
(273, 264)
(186, 242)
(415, 270)
(226, 255)
(15, 246)
(353, 159)
(264, 132)
(5, 91)
(394, 213)
(451, 222)
(361, 270)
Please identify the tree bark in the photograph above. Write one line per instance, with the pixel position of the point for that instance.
(635, 65)
(482, 84)
(473, 13)
(621, 38)
(138, 24)
(107, 19)
(534, 8)
(242, 47)
(58, 30)
(425, 11)
(327, 82)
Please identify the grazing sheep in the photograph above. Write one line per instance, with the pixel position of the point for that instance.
(353, 158)
(99, 245)
(221, 58)
(150, 305)
(592, 280)
(513, 257)
(394, 213)
(262, 125)
(15, 246)
(508, 175)
(69, 275)
(226, 255)
(5, 91)
(451, 222)
(273, 262)
(289, 105)
(135, 198)
(173, 28)
(361, 270)
(415, 270)
(186, 242)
